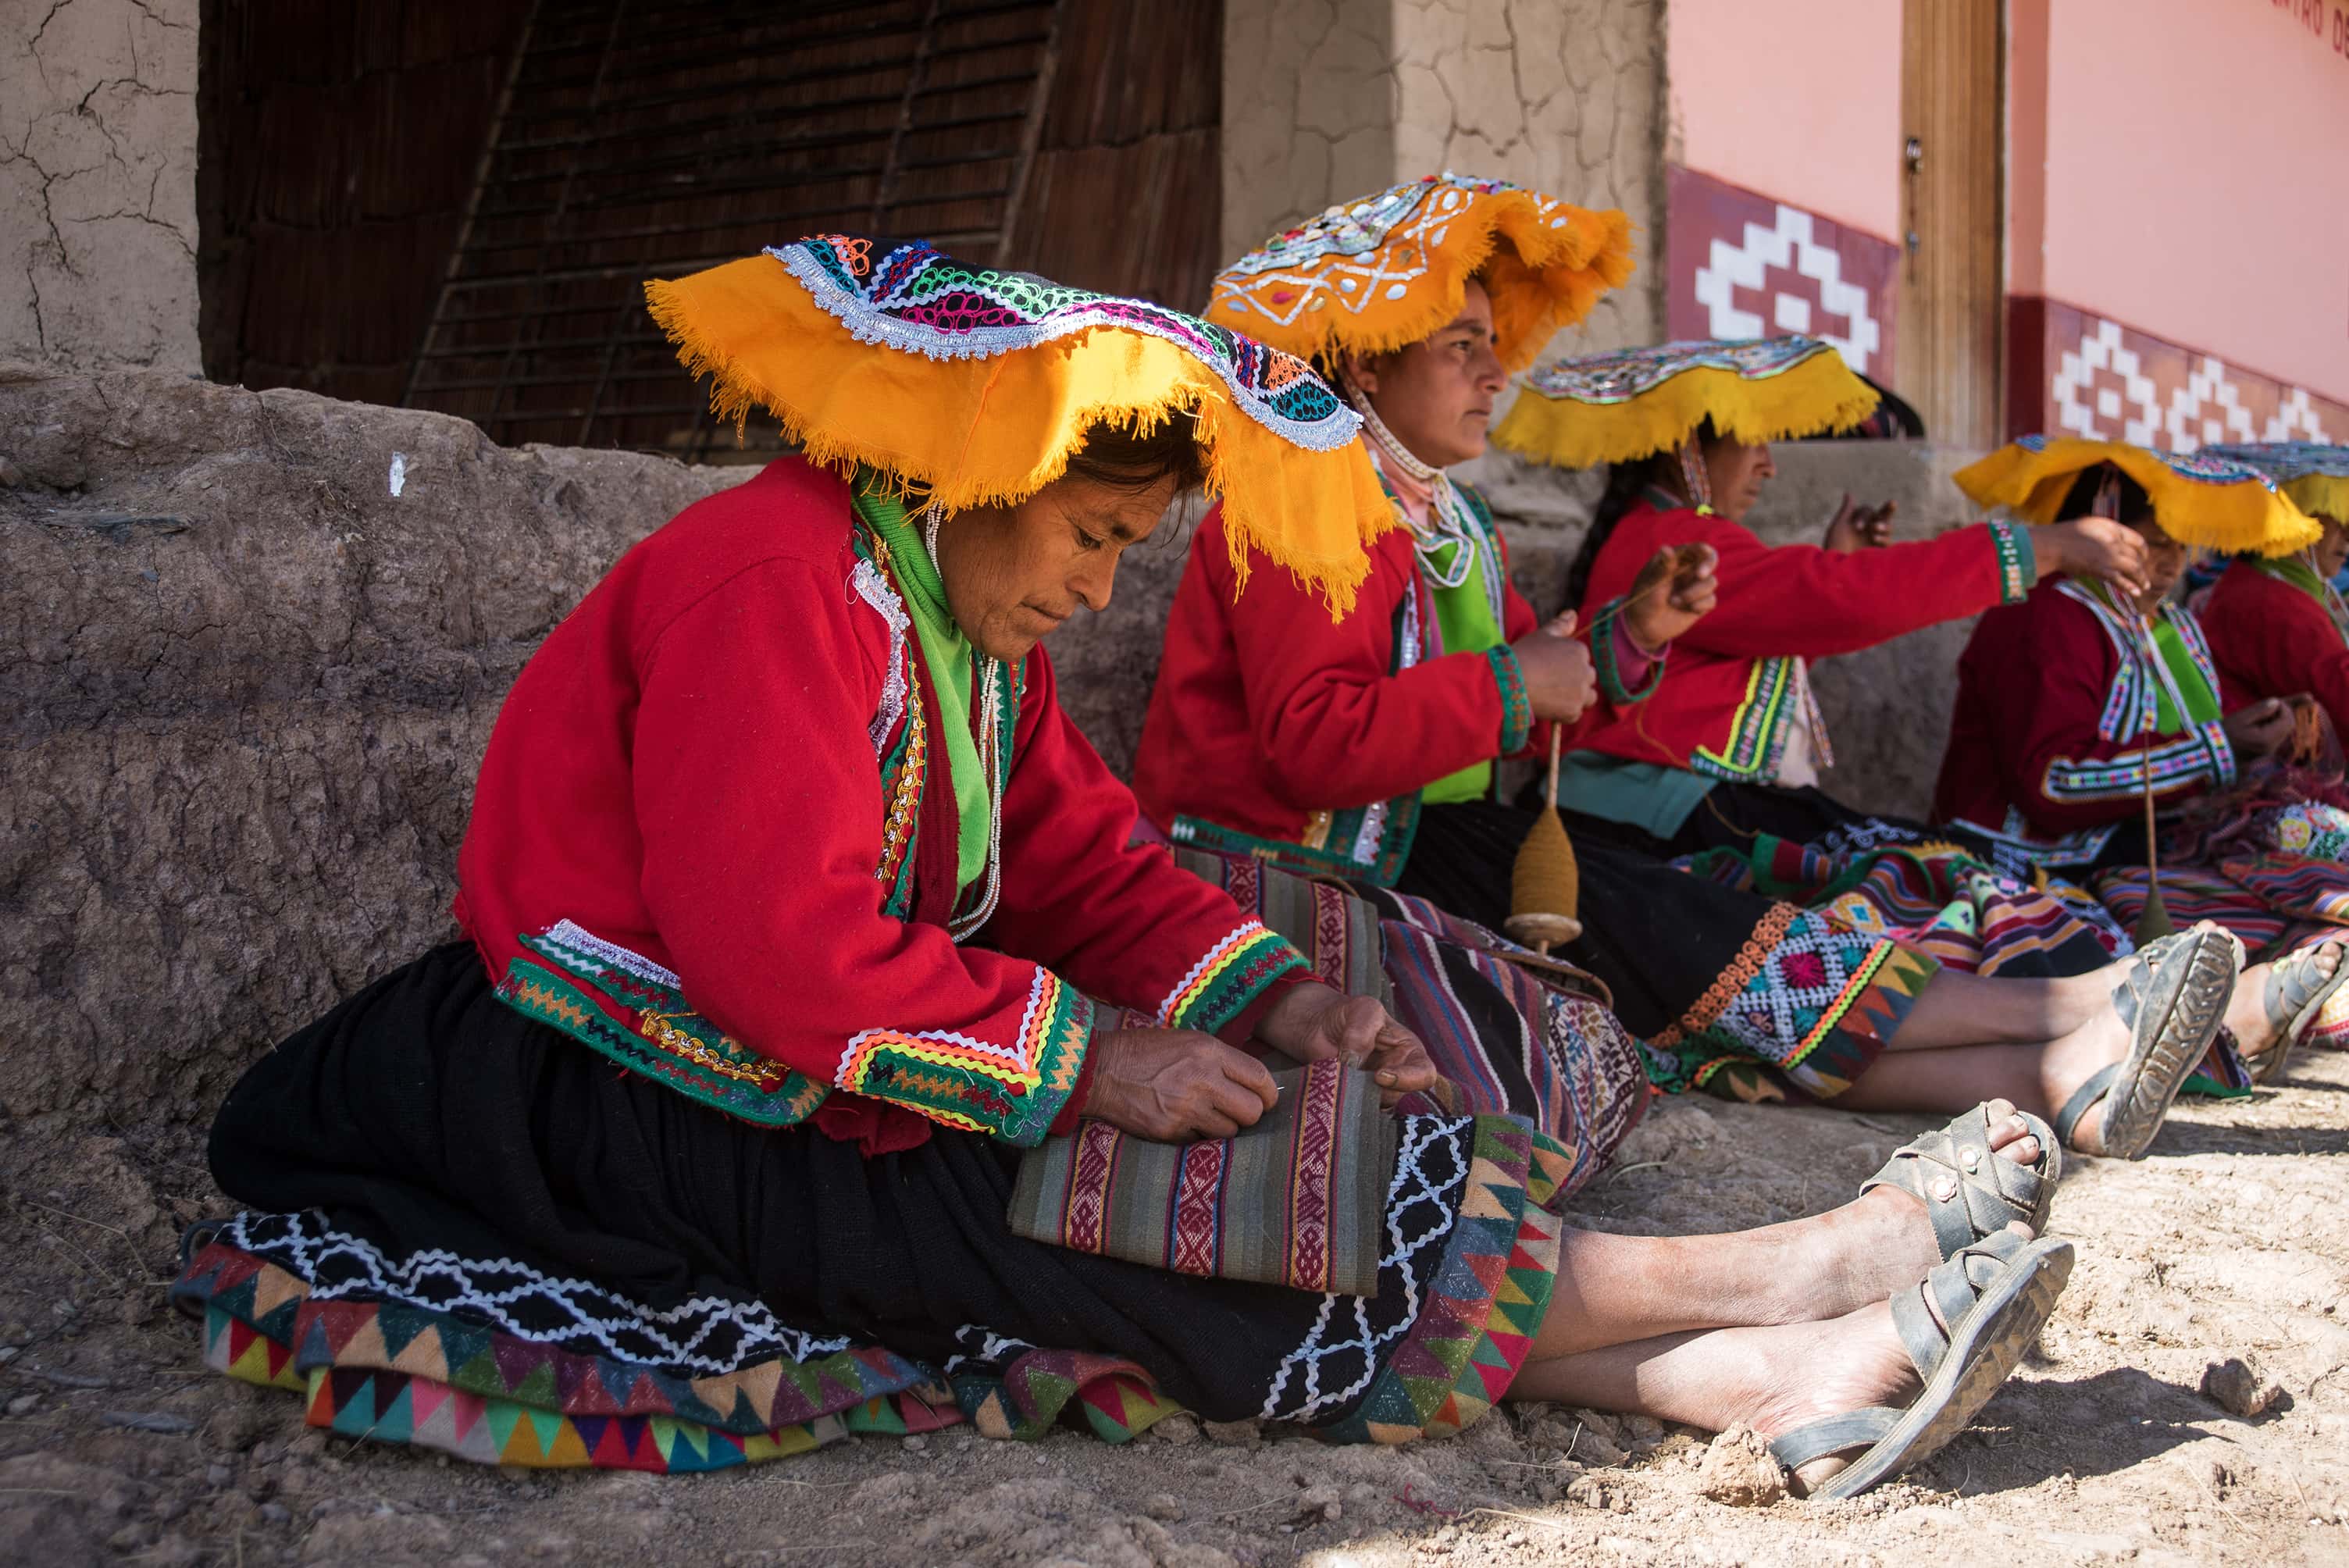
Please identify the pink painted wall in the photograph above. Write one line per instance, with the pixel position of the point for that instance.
(2194, 181)
(1797, 99)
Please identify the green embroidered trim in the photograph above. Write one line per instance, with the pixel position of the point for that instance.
(1610, 669)
(1757, 731)
(951, 1077)
(1235, 973)
(1396, 830)
(2018, 561)
(1516, 707)
(679, 1046)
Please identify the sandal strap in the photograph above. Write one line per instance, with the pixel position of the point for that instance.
(1860, 1429)
(2084, 1099)
(1927, 1315)
(1970, 1191)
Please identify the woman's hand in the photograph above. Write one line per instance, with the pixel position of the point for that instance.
(2095, 547)
(1314, 1022)
(1177, 1086)
(1560, 680)
(2261, 729)
(1654, 615)
(1855, 528)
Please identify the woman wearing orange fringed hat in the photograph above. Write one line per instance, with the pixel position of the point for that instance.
(2082, 711)
(769, 1098)
(1364, 749)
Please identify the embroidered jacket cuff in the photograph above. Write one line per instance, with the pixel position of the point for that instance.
(1015, 1094)
(1233, 974)
(1516, 707)
(2018, 561)
(1072, 1110)
(1627, 672)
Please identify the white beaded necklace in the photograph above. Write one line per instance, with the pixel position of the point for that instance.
(1448, 526)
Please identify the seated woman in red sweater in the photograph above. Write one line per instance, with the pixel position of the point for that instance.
(2079, 705)
(2277, 626)
(749, 1112)
(1365, 748)
(1732, 746)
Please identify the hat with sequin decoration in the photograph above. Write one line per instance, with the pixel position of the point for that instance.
(1389, 270)
(1633, 403)
(973, 386)
(2198, 498)
(2312, 475)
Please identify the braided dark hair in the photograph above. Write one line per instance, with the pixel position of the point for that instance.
(1626, 484)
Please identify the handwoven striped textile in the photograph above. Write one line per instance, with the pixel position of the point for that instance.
(1295, 1200)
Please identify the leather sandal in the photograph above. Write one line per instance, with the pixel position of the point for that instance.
(2174, 1000)
(2294, 994)
(1970, 1190)
(1967, 1328)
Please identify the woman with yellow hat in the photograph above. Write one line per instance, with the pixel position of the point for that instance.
(2085, 716)
(1365, 748)
(1734, 745)
(2277, 626)
(824, 1055)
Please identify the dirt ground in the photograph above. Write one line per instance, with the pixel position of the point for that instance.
(2229, 1244)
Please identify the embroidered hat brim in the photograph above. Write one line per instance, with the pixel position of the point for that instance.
(1621, 406)
(974, 387)
(2314, 475)
(2199, 500)
(1383, 273)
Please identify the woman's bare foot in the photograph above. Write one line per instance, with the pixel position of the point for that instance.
(1806, 1372)
(1883, 1241)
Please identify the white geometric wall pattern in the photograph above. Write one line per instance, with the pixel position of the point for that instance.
(2207, 410)
(2101, 390)
(1786, 247)
(2294, 420)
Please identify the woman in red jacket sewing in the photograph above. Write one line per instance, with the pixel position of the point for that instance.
(1366, 749)
(826, 1055)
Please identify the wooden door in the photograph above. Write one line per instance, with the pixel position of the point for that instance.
(1953, 114)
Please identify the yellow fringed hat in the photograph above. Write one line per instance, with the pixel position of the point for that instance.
(2198, 498)
(1385, 271)
(2313, 477)
(975, 386)
(1636, 402)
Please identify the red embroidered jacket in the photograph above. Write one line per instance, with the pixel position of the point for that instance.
(2048, 744)
(714, 839)
(1274, 731)
(2269, 638)
(1732, 698)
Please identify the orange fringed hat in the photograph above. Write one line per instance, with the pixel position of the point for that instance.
(2198, 498)
(1385, 271)
(974, 386)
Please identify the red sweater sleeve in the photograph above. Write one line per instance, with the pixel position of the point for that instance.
(2270, 639)
(757, 795)
(1803, 600)
(1120, 919)
(2063, 772)
(1338, 727)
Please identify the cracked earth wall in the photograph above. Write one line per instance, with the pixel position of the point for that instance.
(1328, 99)
(98, 182)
